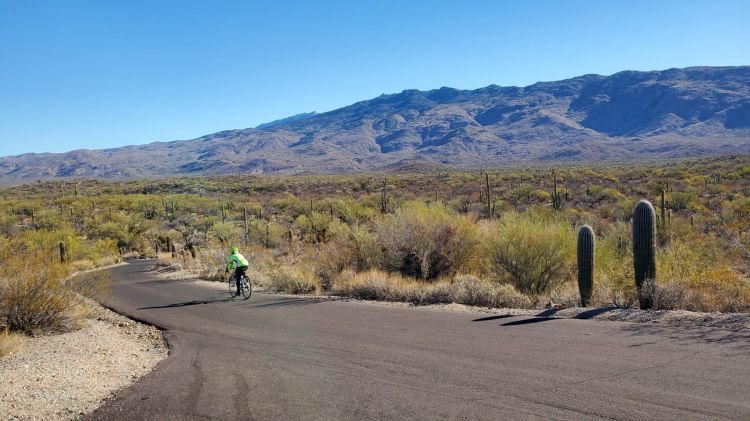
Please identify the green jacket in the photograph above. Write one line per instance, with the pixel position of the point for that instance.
(237, 260)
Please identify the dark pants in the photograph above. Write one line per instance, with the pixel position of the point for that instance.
(237, 273)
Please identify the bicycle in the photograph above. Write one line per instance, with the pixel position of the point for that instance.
(245, 288)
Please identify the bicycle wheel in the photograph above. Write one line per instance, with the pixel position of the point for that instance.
(232, 287)
(245, 287)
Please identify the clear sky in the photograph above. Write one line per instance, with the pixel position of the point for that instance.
(97, 74)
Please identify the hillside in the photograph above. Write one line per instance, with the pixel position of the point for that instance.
(629, 115)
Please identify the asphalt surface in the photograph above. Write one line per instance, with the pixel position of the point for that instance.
(279, 357)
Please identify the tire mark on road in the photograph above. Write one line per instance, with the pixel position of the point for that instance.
(199, 378)
(241, 398)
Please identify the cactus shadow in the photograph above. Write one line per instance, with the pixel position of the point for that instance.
(589, 314)
(535, 319)
(188, 303)
(548, 313)
(288, 302)
(501, 316)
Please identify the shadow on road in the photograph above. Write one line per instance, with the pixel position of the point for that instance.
(738, 341)
(483, 319)
(588, 314)
(291, 302)
(189, 303)
(529, 321)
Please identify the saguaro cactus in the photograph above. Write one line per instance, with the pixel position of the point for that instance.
(63, 252)
(557, 201)
(384, 197)
(644, 261)
(663, 210)
(488, 195)
(585, 263)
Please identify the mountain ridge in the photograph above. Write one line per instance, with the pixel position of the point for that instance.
(671, 113)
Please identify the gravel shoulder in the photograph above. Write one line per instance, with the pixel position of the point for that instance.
(68, 375)
(674, 318)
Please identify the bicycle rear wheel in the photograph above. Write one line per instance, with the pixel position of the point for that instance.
(232, 287)
(245, 287)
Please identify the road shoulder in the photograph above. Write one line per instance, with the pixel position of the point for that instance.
(71, 374)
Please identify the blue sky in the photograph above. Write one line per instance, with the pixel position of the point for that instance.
(99, 74)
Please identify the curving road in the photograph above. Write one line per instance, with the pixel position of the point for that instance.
(275, 357)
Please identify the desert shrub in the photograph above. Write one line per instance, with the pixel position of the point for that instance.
(377, 285)
(601, 193)
(623, 209)
(533, 250)
(613, 272)
(682, 200)
(353, 212)
(295, 279)
(320, 228)
(227, 232)
(441, 292)
(257, 230)
(472, 291)
(522, 194)
(667, 296)
(210, 263)
(694, 273)
(40, 297)
(426, 241)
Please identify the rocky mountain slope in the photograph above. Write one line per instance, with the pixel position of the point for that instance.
(629, 115)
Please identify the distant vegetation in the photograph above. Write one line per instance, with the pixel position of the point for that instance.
(495, 237)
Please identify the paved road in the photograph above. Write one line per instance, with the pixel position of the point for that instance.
(276, 357)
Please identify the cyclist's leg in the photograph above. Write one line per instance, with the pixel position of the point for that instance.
(237, 275)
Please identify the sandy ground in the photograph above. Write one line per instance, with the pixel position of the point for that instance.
(682, 318)
(67, 375)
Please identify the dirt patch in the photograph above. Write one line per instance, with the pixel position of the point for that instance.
(67, 375)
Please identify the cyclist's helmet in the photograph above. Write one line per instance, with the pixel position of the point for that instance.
(234, 250)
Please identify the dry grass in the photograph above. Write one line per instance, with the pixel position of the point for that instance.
(292, 279)
(42, 298)
(463, 289)
(10, 342)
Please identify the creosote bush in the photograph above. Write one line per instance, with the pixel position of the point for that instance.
(426, 241)
(533, 251)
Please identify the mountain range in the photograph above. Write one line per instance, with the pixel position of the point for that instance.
(626, 116)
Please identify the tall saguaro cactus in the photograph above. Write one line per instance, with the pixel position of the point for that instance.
(586, 241)
(644, 261)
(489, 194)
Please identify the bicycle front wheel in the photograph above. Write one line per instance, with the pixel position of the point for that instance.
(246, 288)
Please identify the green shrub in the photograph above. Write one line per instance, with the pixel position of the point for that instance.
(533, 251)
(426, 241)
(682, 200)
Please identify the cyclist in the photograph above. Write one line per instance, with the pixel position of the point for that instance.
(237, 262)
